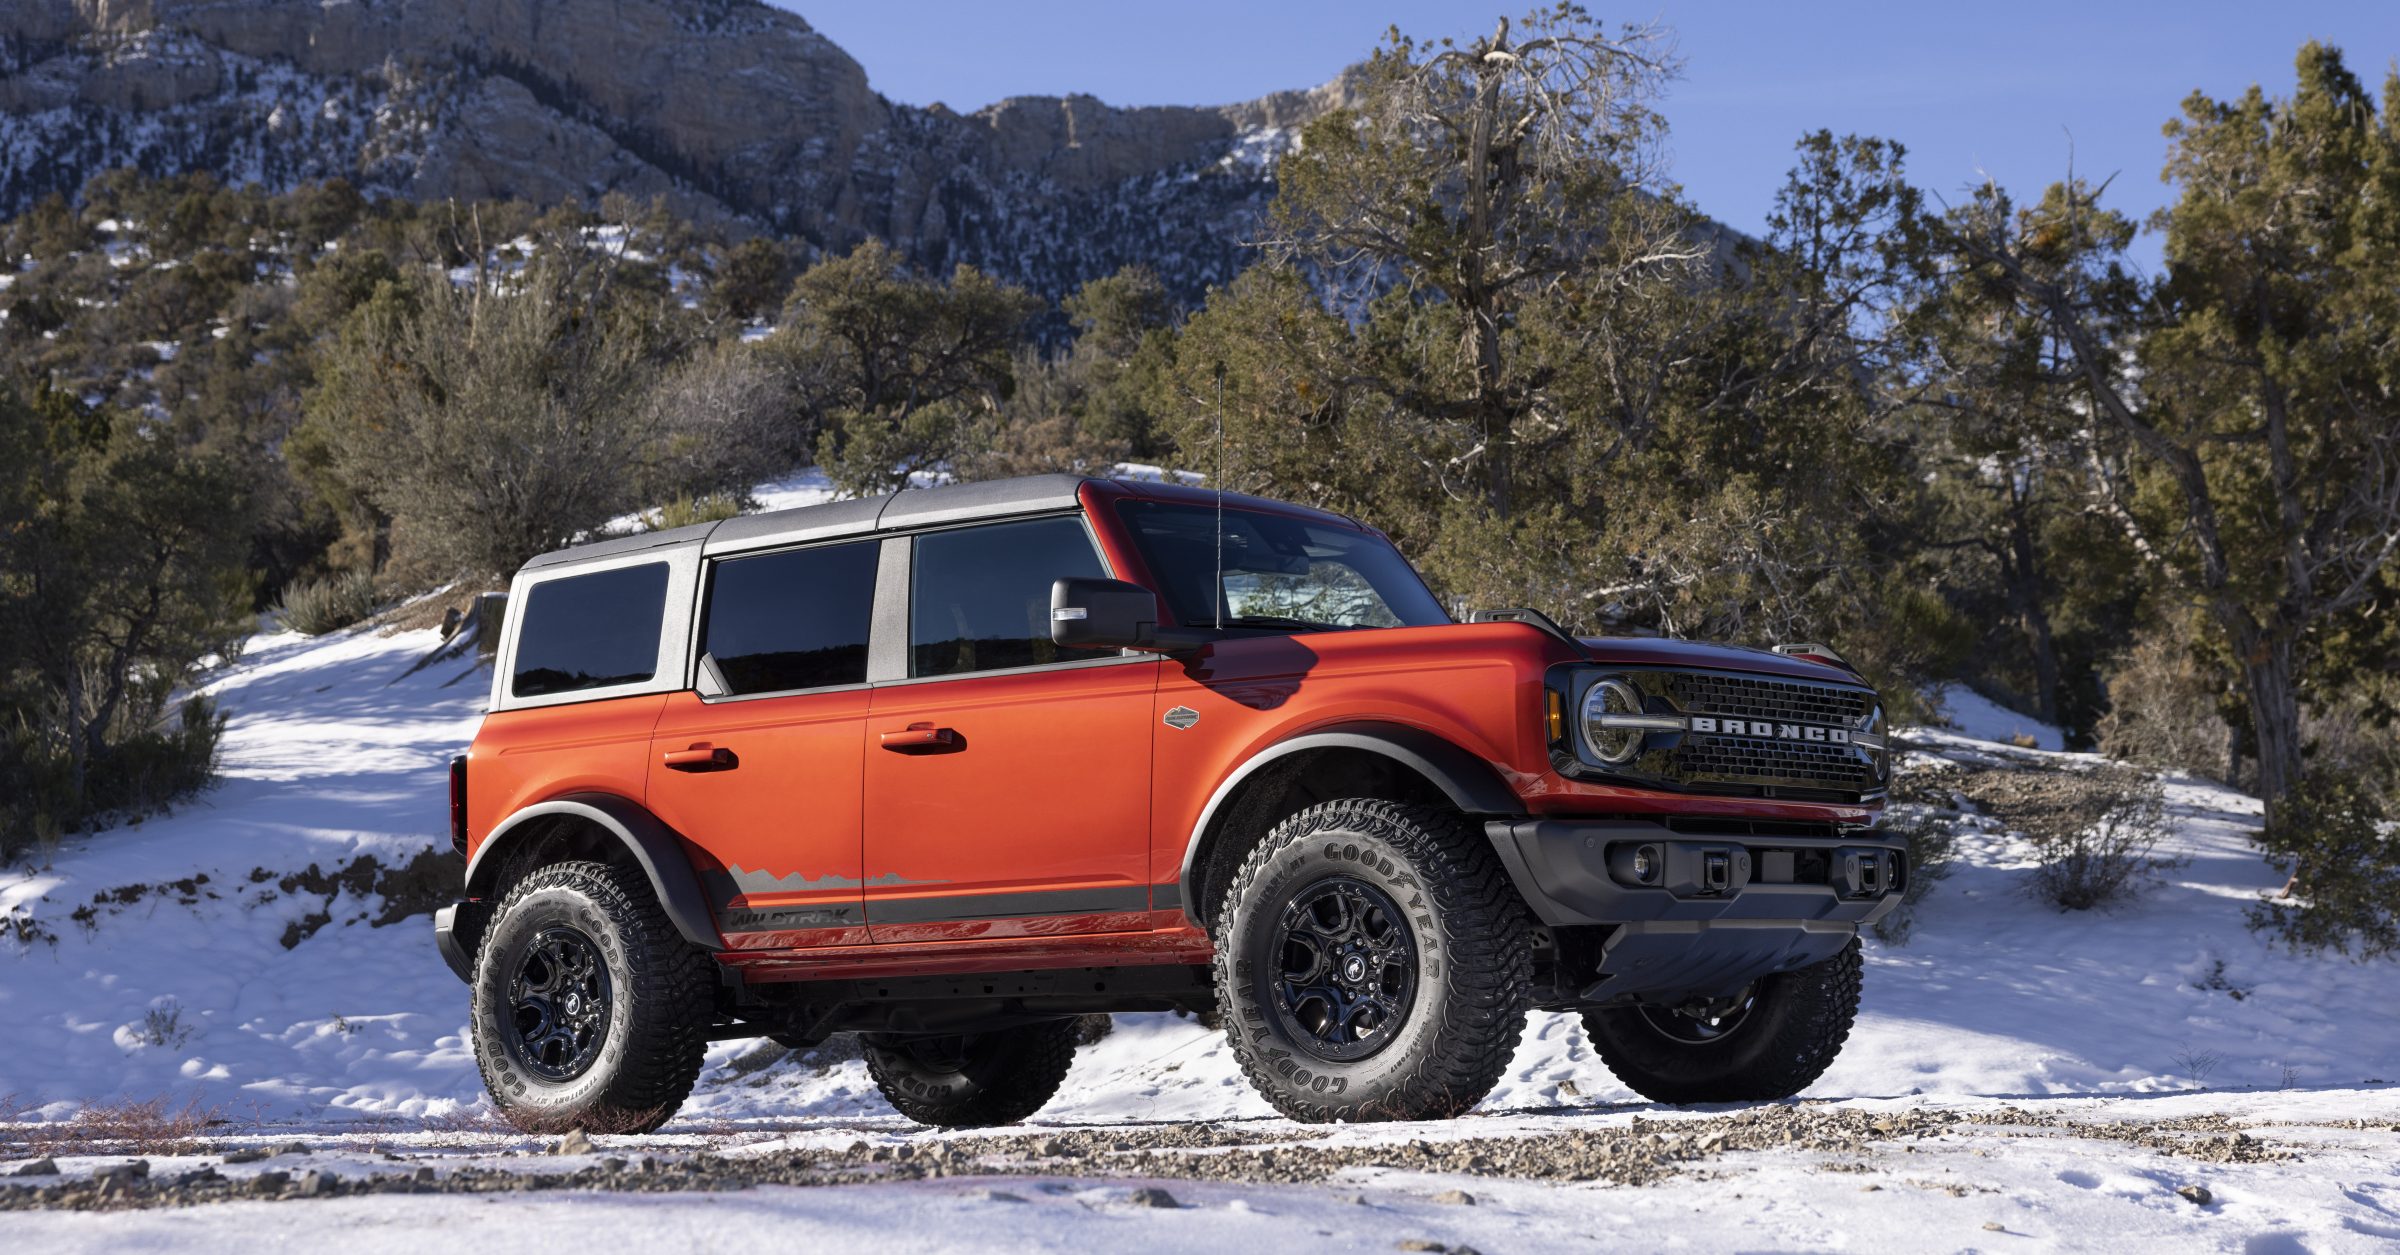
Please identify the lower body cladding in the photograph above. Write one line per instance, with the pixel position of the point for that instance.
(806, 1012)
(1645, 912)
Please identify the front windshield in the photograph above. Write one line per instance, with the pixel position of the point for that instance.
(1278, 571)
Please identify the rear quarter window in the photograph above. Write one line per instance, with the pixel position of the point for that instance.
(591, 631)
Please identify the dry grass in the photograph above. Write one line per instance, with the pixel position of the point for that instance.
(149, 1127)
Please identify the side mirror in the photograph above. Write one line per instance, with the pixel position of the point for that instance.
(1090, 613)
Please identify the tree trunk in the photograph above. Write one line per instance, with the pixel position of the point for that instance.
(2268, 675)
(2025, 589)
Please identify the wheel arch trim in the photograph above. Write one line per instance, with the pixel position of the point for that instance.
(654, 847)
(1463, 777)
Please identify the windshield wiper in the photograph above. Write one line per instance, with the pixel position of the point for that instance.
(1283, 621)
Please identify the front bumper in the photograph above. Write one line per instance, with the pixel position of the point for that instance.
(1698, 914)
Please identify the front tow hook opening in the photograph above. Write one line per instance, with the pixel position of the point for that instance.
(1716, 871)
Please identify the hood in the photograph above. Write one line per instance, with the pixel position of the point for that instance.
(1646, 651)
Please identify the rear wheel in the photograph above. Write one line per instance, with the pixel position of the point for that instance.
(590, 1010)
(969, 1080)
(1772, 1041)
(1373, 964)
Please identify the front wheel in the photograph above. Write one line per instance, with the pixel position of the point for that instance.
(1373, 963)
(591, 1011)
(1771, 1042)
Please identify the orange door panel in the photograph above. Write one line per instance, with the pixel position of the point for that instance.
(1010, 805)
(766, 794)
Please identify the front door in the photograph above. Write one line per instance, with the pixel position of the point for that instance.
(760, 768)
(1007, 780)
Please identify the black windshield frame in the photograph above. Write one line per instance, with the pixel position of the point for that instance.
(1274, 570)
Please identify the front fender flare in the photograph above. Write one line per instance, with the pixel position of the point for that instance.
(1465, 779)
(653, 846)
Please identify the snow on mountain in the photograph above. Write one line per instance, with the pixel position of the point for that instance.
(729, 111)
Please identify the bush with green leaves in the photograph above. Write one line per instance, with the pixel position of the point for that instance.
(2331, 836)
(315, 607)
(121, 575)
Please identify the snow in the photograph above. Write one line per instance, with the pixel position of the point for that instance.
(2072, 1194)
(2163, 1007)
(1977, 717)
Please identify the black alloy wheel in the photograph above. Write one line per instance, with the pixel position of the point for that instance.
(1348, 969)
(1373, 963)
(591, 1011)
(559, 1002)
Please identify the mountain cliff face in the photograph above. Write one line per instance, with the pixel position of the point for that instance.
(728, 109)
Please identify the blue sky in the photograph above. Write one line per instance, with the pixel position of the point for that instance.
(2009, 91)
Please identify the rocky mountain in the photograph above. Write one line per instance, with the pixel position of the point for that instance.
(728, 109)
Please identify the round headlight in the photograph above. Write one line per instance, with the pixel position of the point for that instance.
(1609, 740)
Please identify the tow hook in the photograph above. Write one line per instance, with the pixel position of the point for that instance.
(1868, 873)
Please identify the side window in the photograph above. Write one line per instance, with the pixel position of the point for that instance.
(796, 620)
(591, 631)
(979, 597)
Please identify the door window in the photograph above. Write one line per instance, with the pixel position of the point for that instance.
(979, 597)
(794, 620)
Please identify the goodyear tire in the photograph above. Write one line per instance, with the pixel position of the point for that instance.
(1767, 1046)
(971, 1080)
(590, 1010)
(1373, 963)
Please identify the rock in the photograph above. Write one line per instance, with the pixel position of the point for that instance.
(576, 1142)
(1456, 1198)
(1152, 1196)
(996, 1196)
(741, 110)
(270, 1182)
(1050, 1148)
(292, 1148)
(610, 1164)
(1420, 1244)
(2197, 1195)
(130, 1170)
(423, 1176)
(316, 1183)
(42, 1167)
(247, 1154)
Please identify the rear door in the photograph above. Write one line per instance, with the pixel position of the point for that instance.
(759, 768)
(1007, 780)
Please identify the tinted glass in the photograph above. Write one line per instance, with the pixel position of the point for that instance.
(794, 620)
(979, 597)
(1277, 571)
(591, 631)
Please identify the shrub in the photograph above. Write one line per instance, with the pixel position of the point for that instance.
(2095, 831)
(2331, 837)
(686, 511)
(1932, 842)
(315, 607)
(2163, 706)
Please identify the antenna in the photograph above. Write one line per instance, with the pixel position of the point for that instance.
(1217, 481)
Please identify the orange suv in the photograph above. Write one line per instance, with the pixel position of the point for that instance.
(952, 767)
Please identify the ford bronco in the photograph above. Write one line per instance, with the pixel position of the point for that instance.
(952, 768)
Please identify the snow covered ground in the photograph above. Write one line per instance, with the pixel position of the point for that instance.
(126, 976)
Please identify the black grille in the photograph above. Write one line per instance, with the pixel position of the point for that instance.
(1749, 697)
(1754, 760)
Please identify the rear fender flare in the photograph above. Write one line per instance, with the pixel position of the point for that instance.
(1464, 778)
(652, 845)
